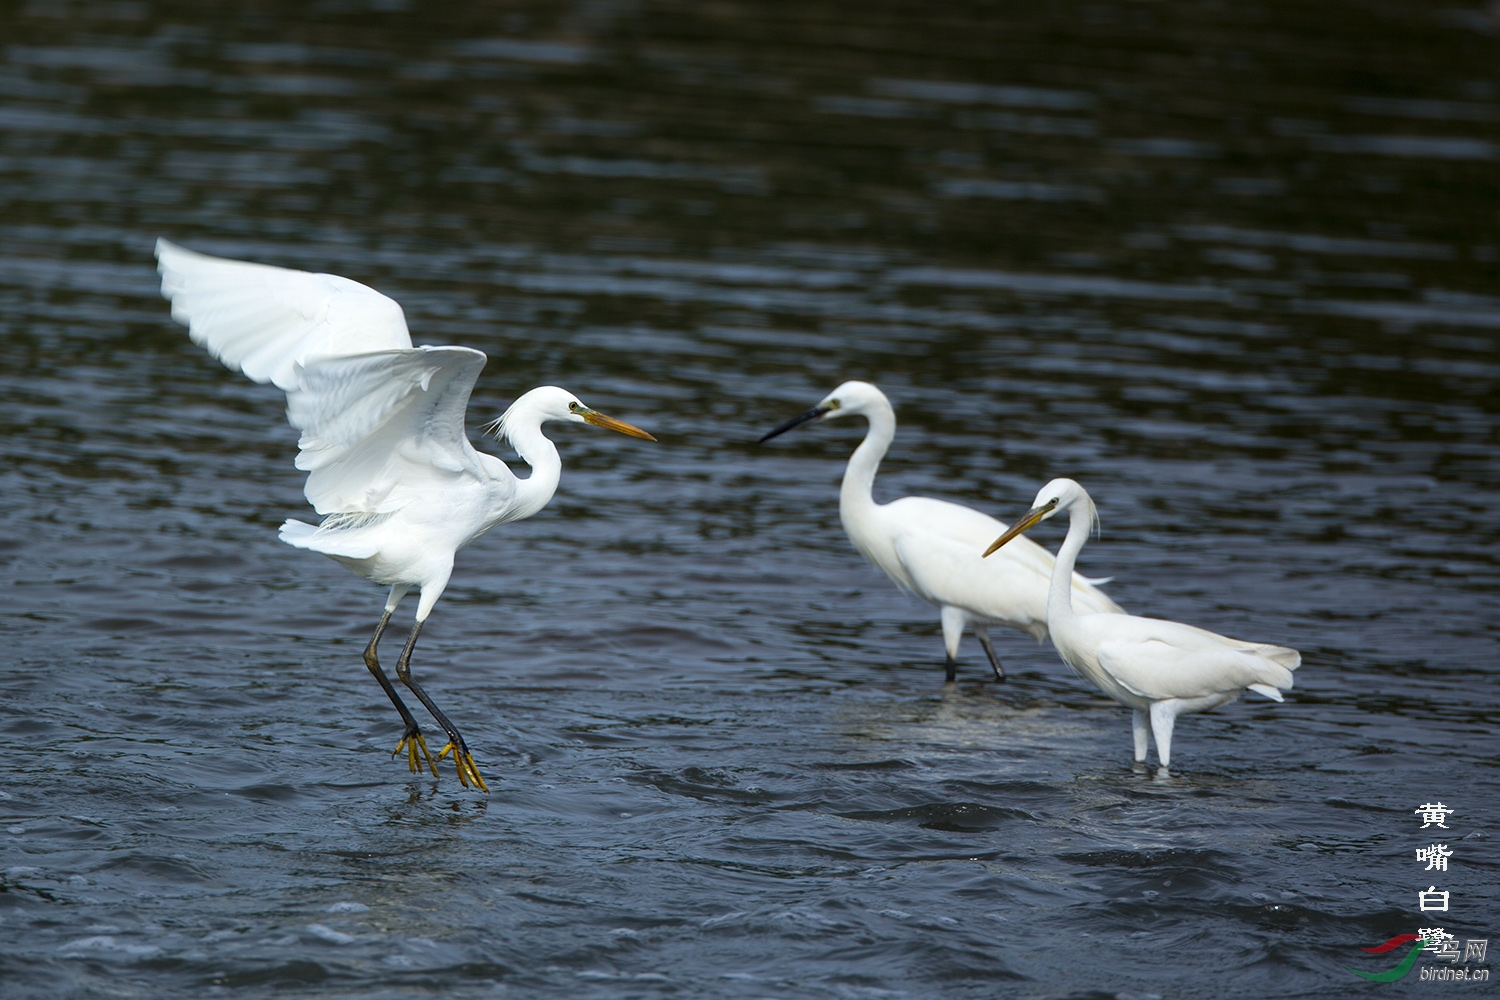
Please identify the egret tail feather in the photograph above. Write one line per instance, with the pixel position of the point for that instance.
(1266, 690)
(330, 542)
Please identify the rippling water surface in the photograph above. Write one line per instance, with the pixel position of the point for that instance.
(1233, 266)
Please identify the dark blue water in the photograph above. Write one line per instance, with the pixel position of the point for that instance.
(1233, 267)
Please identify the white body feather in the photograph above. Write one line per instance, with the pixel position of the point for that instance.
(931, 548)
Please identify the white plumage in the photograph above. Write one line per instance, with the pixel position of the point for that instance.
(388, 458)
(1160, 669)
(265, 320)
(932, 548)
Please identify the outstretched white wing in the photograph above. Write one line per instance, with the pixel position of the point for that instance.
(380, 428)
(381, 421)
(264, 320)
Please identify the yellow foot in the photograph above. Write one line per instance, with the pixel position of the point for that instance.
(464, 761)
(415, 745)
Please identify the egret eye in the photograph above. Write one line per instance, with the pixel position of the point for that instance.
(572, 407)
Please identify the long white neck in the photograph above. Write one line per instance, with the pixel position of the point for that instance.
(856, 497)
(522, 427)
(1060, 594)
(535, 491)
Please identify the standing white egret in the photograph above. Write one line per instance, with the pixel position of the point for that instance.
(1160, 669)
(931, 547)
(389, 464)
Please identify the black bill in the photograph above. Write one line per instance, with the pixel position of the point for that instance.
(801, 418)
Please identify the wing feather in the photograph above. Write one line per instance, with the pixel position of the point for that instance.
(1160, 659)
(264, 320)
(940, 547)
(381, 427)
(381, 421)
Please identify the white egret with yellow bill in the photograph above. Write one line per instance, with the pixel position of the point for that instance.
(390, 467)
(1159, 669)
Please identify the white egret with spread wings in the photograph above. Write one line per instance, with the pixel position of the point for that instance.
(390, 467)
(1159, 669)
(931, 547)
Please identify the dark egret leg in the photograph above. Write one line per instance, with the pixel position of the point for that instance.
(1140, 727)
(983, 635)
(411, 740)
(467, 772)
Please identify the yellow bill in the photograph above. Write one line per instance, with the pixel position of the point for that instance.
(610, 423)
(1033, 515)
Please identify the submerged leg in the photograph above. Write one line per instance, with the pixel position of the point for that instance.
(953, 621)
(1140, 726)
(411, 739)
(983, 635)
(1163, 718)
(464, 760)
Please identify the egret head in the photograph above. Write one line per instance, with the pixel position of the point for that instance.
(549, 402)
(848, 400)
(1060, 494)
